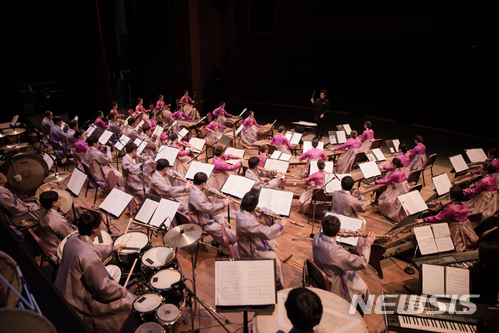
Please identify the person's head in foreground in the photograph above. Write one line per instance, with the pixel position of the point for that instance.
(304, 309)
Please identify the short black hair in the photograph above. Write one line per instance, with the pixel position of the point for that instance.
(368, 124)
(92, 139)
(57, 119)
(249, 202)
(253, 162)
(403, 147)
(353, 134)
(77, 134)
(131, 121)
(48, 198)
(280, 129)
(323, 92)
(114, 103)
(145, 128)
(418, 138)
(215, 116)
(139, 99)
(173, 136)
(488, 167)
(200, 178)
(304, 309)
(72, 124)
(456, 192)
(315, 143)
(48, 113)
(99, 112)
(219, 150)
(330, 225)
(347, 183)
(493, 152)
(321, 164)
(263, 148)
(111, 116)
(130, 147)
(162, 163)
(397, 162)
(89, 220)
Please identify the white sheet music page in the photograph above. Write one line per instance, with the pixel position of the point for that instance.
(237, 186)
(183, 132)
(14, 120)
(280, 166)
(335, 184)
(369, 169)
(285, 157)
(378, 154)
(168, 153)
(104, 138)
(141, 144)
(48, 160)
(476, 155)
(347, 128)
(295, 139)
(342, 137)
(370, 156)
(457, 281)
(276, 154)
(196, 166)
(122, 142)
(254, 284)
(197, 143)
(458, 163)
(166, 211)
(332, 137)
(288, 135)
(146, 211)
(116, 202)
(307, 145)
(239, 130)
(412, 202)
(234, 151)
(91, 129)
(426, 242)
(76, 181)
(158, 130)
(278, 201)
(139, 125)
(396, 144)
(442, 184)
(443, 240)
(433, 281)
(348, 223)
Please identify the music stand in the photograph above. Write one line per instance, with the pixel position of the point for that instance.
(74, 187)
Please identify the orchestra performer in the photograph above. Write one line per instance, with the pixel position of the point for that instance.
(253, 172)
(367, 136)
(221, 113)
(280, 140)
(344, 203)
(483, 194)
(249, 133)
(418, 154)
(345, 161)
(312, 154)
(139, 107)
(318, 179)
(100, 163)
(322, 107)
(162, 186)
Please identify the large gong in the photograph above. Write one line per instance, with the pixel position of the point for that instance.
(32, 169)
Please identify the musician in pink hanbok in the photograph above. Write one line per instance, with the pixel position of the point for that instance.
(492, 158)
(214, 130)
(249, 133)
(263, 150)
(160, 104)
(418, 154)
(312, 154)
(483, 194)
(188, 105)
(114, 109)
(404, 158)
(280, 140)
(181, 162)
(80, 145)
(101, 124)
(140, 108)
(152, 120)
(221, 113)
(345, 161)
(367, 136)
(317, 178)
(186, 99)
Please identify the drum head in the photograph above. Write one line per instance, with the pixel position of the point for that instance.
(21, 321)
(60, 248)
(9, 272)
(115, 272)
(168, 313)
(147, 302)
(158, 256)
(32, 169)
(134, 240)
(103, 238)
(150, 327)
(165, 278)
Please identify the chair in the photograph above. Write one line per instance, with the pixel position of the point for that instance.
(359, 158)
(376, 144)
(272, 148)
(91, 180)
(209, 116)
(319, 198)
(414, 177)
(233, 253)
(316, 276)
(45, 255)
(429, 164)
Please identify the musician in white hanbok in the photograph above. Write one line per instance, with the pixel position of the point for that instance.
(100, 163)
(161, 185)
(136, 182)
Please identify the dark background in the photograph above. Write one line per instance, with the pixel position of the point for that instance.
(428, 63)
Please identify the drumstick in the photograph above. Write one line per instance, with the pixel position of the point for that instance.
(33, 216)
(313, 94)
(130, 274)
(126, 230)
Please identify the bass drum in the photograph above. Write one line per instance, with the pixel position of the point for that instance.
(32, 169)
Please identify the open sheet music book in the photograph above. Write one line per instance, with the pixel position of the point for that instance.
(434, 238)
(254, 285)
(278, 155)
(334, 184)
(412, 202)
(104, 138)
(235, 151)
(141, 144)
(278, 201)
(49, 160)
(139, 125)
(444, 280)
(197, 143)
(313, 167)
(196, 166)
(173, 124)
(91, 129)
(307, 145)
(239, 130)
(348, 223)
(442, 184)
(183, 132)
(76, 181)
(14, 120)
(156, 210)
(476, 155)
(393, 145)
(237, 186)
(158, 130)
(369, 169)
(168, 153)
(293, 137)
(116, 202)
(122, 142)
(344, 127)
(279, 165)
(458, 163)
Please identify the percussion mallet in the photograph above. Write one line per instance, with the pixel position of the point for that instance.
(131, 271)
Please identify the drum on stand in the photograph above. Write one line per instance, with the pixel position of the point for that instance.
(168, 315)
(145, 307)
(32, 169)
(137, 243)
(115, 272)
(66, 200)
(21, 321)
(162, 281)
(150, 327)
(9, 272)
(103, 239)
(157, 258)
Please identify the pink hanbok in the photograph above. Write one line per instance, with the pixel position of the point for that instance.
(282, 143)
(484, 197)
(346, 160)
(388, 203)
(418, 157)
(318, 179)
(249, 133)
(311, 154)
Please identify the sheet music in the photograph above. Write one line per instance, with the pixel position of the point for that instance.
(239, 129)
(90, 130)
(116, 202)
(237, 186)
(396, 144)
(314, 168)
(412, 202)
(197, 143)
(348, 223)
(276, 154)
(196, 167)
(426, 242)
(104, 138)
(335, 184)
(288, 135)
(278, 201)
(332, 137)
(158, 130)
(76, 181)
(280, 166)
(392, 150)
(476, 155)
(433, 282)
(183, 132)
(370, 156)
(139, 125)
(441, 233)
(285, 157)
(378, 154)
(442, 184)
(234, 151)
(458, 163)
(342, 137)
(347, 128)
(166, 209)
(146, 211)
(168, 153)
(369, 169)
(307, 145)
(255, 283)
(48, 160)
(14, 120)
(141, 144)
(457, 281)
(295, 138)
(122, 142)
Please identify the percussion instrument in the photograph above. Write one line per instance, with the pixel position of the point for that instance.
(150, 327)
(9, 148)
(9, 272)
(136, 243)
(145, 307)
(157, 258)
(66, 200)
(115, 272)
(182, 235)
(161, 283)
(32, 169)
(103, 239)
(10, 131)
(168, 315)
(6, 125)
(21, 321)
(57, 177)
(335, 316)
(259, 143)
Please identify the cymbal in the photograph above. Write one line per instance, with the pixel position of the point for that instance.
(16, 131)
(57, 177)
(183, 235)
(7, 125)
(8, 148)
